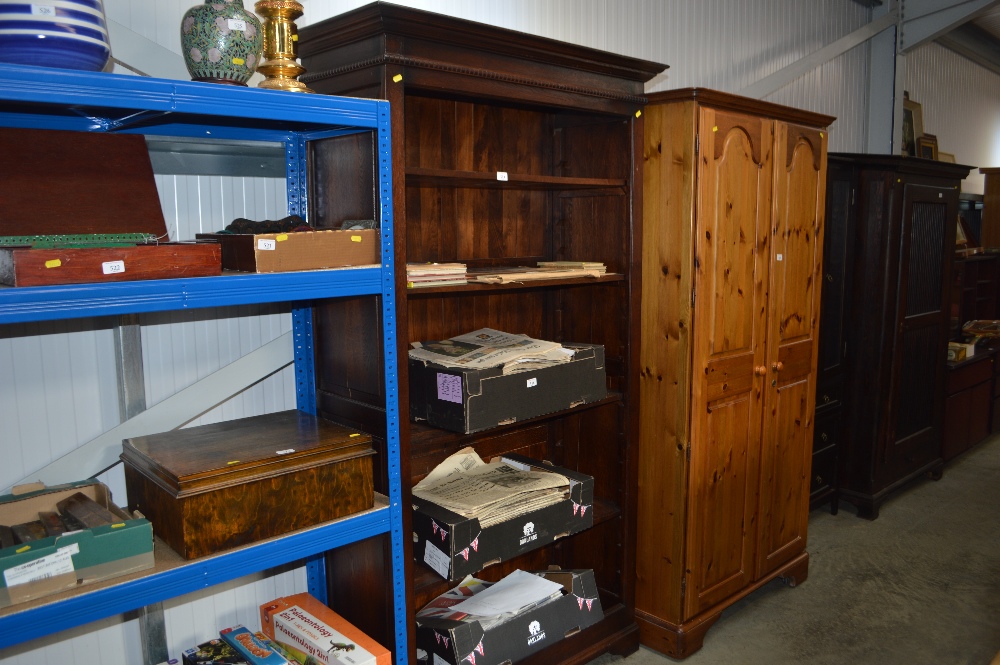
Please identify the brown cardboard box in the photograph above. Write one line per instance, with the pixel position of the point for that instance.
(304, 250)
(50, 565)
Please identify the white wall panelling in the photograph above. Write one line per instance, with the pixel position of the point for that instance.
(61, 392)
(961, 106)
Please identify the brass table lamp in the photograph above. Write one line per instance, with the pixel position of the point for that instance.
(278, 64)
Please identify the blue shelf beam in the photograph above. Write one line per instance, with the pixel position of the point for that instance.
(46, 303)
(21, 626)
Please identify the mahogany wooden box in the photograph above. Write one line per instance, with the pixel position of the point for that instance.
(214, 487)
(63, 183)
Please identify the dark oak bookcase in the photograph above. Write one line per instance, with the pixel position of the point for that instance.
(507, 149)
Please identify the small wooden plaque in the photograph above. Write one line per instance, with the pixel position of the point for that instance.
(214, 487)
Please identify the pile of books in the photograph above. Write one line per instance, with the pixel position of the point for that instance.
(573, 265)
(435, 274)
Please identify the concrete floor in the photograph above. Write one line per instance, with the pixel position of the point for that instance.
(918, 586)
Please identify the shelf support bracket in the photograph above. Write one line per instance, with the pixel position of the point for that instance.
(132, 402)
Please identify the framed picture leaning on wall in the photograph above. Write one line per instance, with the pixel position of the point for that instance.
(927, 146)
(913, 126)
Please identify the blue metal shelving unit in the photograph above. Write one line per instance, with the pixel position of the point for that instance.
(96, 102)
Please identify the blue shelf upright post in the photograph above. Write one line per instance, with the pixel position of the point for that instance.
(384, 167)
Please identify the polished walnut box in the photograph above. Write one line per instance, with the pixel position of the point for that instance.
(214, 487)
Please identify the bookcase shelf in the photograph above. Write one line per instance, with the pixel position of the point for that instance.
(423, 177)
(201, 114)
(458, 289)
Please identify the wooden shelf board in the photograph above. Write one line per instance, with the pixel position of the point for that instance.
(424, 438)
(425, 177)
(531, 284)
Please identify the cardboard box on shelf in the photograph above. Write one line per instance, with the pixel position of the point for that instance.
(456, 546)
(458, 641)
(56, 563)
(309, 631)
(212, 652)
(303, 250)
(472, 400)
(253, 650)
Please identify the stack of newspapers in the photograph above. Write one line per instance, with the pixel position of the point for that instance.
(486, 347)
(435, 274)
(492, 493)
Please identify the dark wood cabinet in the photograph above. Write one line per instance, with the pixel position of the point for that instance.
(968, 403)
(507, 149)
(896, 322)
(834, 352)
(974, 290)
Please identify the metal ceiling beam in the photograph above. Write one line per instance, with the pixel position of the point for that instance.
(974, 43)
(926, 20)
(786, 75)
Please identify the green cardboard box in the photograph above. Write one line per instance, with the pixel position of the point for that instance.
(54, 564)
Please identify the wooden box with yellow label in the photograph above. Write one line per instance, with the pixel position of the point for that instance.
(80, 207)
(302, 250)
(214, 487)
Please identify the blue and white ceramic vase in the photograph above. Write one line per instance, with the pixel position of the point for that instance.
(221, 42)
(70, 34)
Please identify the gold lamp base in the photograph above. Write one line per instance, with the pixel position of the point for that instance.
(278, 63)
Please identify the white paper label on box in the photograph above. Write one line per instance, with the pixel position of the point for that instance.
(43, 10)
(72, 548)
(449, 388)
(532, 382)
(502, 176)
(438, 660)
(113, 267)
(266, 244)
(237, 24)
(57, 563)
(437, 559)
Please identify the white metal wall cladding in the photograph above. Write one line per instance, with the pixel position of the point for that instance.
(960, 106)
(58, 389)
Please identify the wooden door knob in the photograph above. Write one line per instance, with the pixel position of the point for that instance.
(778, 366)
(760, 371)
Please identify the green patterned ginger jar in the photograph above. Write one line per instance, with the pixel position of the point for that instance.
(221, 42)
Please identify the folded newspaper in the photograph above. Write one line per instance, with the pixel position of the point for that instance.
(487, 347)
(493, 492)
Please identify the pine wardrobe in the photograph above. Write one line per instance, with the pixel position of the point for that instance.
(731, 263)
